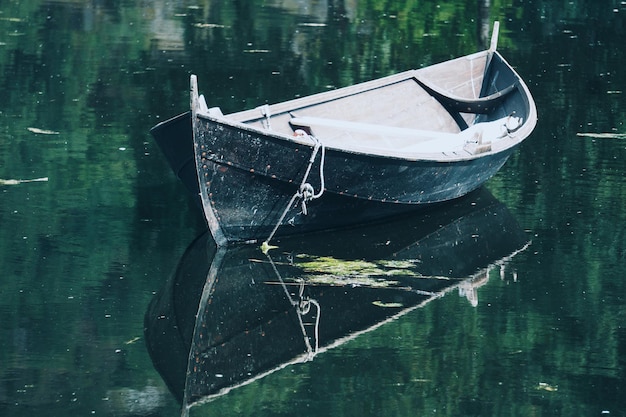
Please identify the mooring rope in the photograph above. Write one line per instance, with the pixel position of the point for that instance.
(306, 192)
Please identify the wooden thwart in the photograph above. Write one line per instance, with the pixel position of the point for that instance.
(424, 140)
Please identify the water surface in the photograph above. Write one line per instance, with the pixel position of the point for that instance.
(85, 248)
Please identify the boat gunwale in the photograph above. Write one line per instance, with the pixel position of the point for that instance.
(238, 120)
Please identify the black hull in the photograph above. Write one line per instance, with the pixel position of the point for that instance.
(247, 183)
(175, 139)
(248, 200)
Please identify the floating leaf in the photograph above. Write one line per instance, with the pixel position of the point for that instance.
(131, 341)
(208, 25)
(603, 135)
(266, 247)
(42, 131)
(15, 182)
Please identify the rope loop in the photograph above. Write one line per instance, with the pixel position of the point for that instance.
(307, 193)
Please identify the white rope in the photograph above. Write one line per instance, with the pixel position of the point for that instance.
(306, 192)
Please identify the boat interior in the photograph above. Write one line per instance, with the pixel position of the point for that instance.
(459, 106)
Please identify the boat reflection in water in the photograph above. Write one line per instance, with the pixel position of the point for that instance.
(231, 315)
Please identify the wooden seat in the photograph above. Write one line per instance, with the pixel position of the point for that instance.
(402, 140)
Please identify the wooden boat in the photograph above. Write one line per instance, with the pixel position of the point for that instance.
(354, 154)
(230, 315)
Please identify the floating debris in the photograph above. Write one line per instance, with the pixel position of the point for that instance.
(349, 281)
(546, 387)
(400, 264)
(42, 131)
(312, 24)
(15, 182)
(131, 341)
(256, 51)
(387, 305)
(603, 135)
(342, 268)
(208, 25)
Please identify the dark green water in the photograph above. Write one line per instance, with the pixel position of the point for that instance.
(84, 249)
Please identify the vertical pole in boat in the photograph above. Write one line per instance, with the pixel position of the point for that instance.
(193, 93)
(494, 37)
(210, 216)
(490, 52)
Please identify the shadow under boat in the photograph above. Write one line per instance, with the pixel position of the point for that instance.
(230, 315)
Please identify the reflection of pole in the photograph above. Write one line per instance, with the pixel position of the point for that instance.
(484, 21)
(468, 288)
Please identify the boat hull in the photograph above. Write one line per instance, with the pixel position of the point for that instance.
(247, 182)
